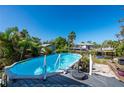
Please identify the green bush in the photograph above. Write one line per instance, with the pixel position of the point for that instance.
(85, 64)
(120, 50)
(93, 52)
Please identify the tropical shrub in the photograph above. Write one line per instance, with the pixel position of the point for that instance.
(93, 52)
(85, 64)
(120, 50)
(16, 44)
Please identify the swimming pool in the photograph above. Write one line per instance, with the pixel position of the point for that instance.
(34, 66)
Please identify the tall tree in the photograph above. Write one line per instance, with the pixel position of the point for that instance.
(118, 36)
(17, 42)
(122, 32)
(60, 42)
(71, 38)
(110, 43)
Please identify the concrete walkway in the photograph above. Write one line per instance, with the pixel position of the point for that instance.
(104, 70)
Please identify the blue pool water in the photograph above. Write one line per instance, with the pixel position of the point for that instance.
(35, 66)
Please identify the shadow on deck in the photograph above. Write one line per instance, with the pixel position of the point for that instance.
(68, 81)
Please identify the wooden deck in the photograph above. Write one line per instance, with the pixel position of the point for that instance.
(68, 81)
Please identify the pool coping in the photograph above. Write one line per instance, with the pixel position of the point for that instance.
(12, 75)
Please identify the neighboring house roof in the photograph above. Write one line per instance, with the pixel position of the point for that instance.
(107, 49)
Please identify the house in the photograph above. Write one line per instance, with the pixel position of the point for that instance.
(83, 46)
(107, 52)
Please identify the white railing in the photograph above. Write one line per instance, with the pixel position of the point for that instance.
(90, 64)
(57, 60)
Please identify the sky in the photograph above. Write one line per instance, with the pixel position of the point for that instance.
(90, 23)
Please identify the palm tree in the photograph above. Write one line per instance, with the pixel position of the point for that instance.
(25, 34)
(71, 38)
(18, 42)
(7, 38)
(122, 33)
(14, 45)
(7, 44)
(29, 44)
(118, 37)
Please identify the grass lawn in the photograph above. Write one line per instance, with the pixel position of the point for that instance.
(100, 61)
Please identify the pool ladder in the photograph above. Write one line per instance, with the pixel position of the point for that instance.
(90, 64)
(45, 67)
(57, 60)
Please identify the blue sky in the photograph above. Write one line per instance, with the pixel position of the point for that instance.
(91, 23)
